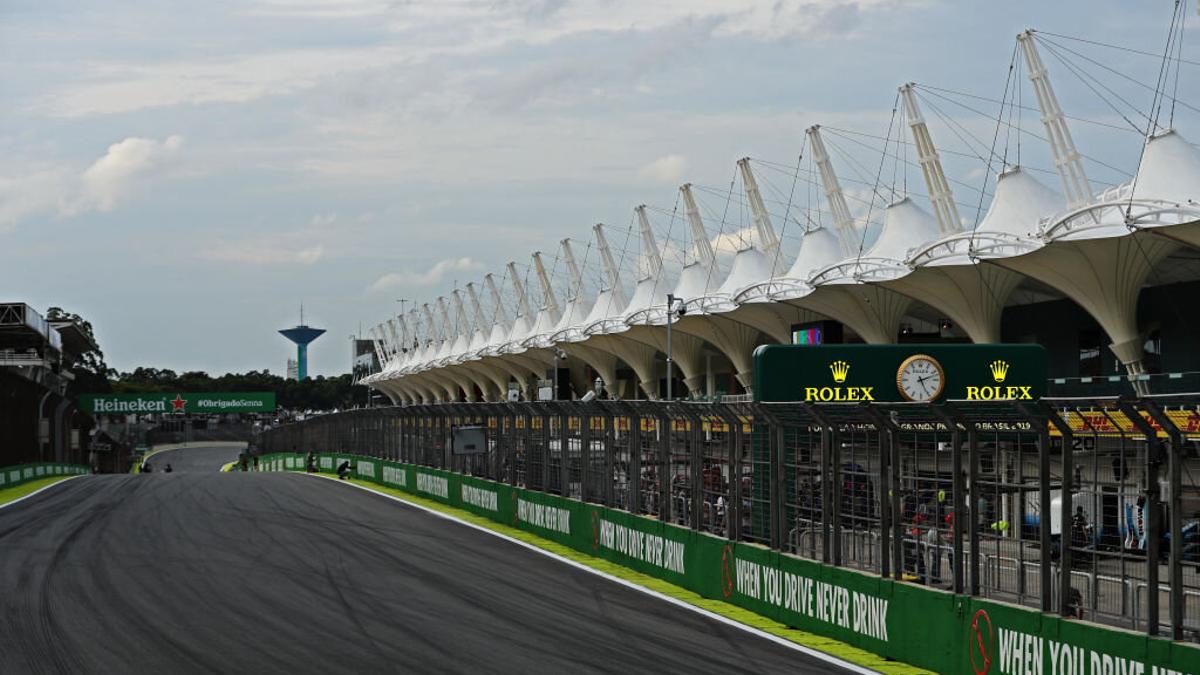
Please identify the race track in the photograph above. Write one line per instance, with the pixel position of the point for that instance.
(287, 573)
(187, 460)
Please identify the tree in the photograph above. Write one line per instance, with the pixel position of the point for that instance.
(318, 393)
(91, 372)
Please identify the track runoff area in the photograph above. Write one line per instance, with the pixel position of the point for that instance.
(202, 571)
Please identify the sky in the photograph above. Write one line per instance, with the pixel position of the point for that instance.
(186, 175)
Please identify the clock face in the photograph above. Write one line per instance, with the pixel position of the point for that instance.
(920, 378)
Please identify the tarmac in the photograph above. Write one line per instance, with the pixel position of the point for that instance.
(198, 571)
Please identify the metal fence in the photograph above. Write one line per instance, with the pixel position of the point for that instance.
(1069, 506)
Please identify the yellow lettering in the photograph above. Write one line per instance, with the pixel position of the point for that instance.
(972, 393)
(866, 393)
(810, 393)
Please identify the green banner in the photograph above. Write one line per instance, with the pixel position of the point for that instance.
(202, 403)
(898, 373)
(12, 476)
(932, 629)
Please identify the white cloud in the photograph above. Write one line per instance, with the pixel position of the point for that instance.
(426, 32)
(102, 186)
(266, 254)
(34, 192)
(666, 169)
(118, 172)
(427, 278)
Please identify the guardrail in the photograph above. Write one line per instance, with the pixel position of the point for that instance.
(12, 476)
(878, 486)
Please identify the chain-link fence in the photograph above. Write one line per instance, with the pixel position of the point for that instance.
(1085, 507)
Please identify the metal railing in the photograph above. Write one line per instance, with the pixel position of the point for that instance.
(1071, 506)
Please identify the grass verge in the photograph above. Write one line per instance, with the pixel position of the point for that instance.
(832, 647)
(14, 493)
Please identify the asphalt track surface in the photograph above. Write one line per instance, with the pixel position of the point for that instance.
(187, 460)
(287, 573)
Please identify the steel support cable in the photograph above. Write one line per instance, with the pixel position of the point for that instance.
(929, 88)
(956, 128)
(1008, 82)
(862, 241)
(1164, 69)
(896, 163)
(1178, 55)
(839, 134)
(1032, 134)
(788, 210)
(1155, 103)
(858, 169)
(1087, 79)
(848, 133)
(850, 196)
(712, 267)
(1112, 46)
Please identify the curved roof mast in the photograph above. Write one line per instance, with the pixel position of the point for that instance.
(548, 297)
(406, 336)
(447, 325)
(394, 342)
(1066, 158)
(376, 336)
(767, 239)
(430, 325)
(651, 257)
(522, 298)
(414, 318)
(704, 250)
(460, 313)
(940, 196)
(501, 314)
(575, 280)
(610, 267)
(476, 306)
(843, 222)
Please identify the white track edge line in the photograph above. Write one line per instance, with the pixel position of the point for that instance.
(39, 490)
(815, 653)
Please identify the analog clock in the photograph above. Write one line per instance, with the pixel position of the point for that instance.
(920, 378)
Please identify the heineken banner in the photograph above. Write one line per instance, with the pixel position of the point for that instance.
(898, 373)
(206, 403)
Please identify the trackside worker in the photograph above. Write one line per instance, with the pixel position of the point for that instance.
(343, 470)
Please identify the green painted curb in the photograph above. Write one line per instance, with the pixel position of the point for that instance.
(14, 493)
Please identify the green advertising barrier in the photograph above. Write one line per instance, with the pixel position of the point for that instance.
(184, 402)
(928, 628)
(12, 476)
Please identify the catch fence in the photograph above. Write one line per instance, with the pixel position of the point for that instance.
(1071, 506)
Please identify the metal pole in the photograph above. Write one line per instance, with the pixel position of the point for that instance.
(1066, 509)
(670, 363)
(1154, 454)
(1174, 517)
(1043, 445)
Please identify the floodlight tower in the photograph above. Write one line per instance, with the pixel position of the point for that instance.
(302, 335)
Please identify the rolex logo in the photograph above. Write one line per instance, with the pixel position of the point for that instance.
(839, 369)
(999, 370)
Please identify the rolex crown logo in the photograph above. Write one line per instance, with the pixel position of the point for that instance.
(999, 370)
(839, 369)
